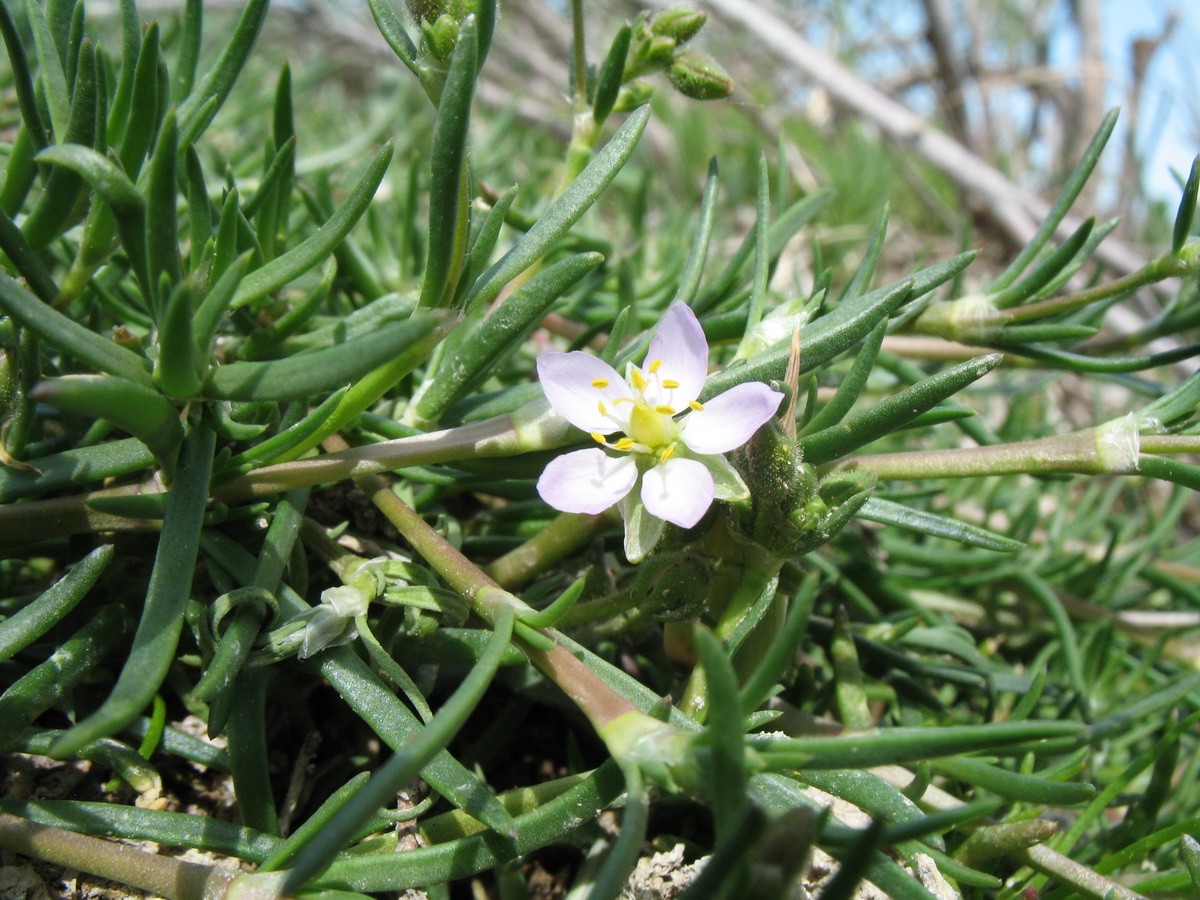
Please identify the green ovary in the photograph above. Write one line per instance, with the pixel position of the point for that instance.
(648, 426)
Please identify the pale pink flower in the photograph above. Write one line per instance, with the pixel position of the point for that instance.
(676, 458)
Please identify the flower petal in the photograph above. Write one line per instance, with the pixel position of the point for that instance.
(680, 344)
(679, 490)
(587, 481)
(730, 419)
(569, 381)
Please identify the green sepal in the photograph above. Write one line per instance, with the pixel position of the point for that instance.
(642, 530)
(140, 410)
(727, 483)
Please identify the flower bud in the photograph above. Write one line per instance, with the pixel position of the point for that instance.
(681, 24)
(632, 95)
(699, 77)
(441, 36)
(426, 10)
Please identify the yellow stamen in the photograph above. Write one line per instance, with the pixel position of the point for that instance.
(670, 384)
(639, 381)
(621, 400)
(600, 406)
(597, 437)
(625, 444)
(600, 383)
(667, 453)
(654, 366)
(665, 410)
(695, 404)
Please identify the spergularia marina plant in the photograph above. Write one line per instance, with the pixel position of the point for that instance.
(669, 460)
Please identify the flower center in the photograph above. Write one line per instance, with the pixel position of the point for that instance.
(647, 425)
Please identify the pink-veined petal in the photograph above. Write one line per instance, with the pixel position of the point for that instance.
(679, 490)
(680, 344)
(587, 481)
(730, 419)
(570, 381)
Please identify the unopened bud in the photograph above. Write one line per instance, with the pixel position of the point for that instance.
(699, 77)
(681, 24)
(426, 10)
(441, 36)
(633, 95)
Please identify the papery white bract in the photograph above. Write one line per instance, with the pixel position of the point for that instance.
(675, 464)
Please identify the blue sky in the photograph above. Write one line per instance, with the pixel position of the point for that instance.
(1171, 101)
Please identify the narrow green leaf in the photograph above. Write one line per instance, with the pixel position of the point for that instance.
(486, 13)
(131, 42)
(56, 206)
(888, 513)
(1070, 191)
(176, 368)
(139, 132)
(485, 241)
(274, 448)
(69, 336)
(693, 270)
(50, 72)
(116, 190)
(74, 468)
(447, 202)
(313, 250)
(22, 79)
(866, 269)
(407, 763)
(48, 683)
(851, 385)
(189, 50)
(27, 263)
(612, 75)
(38, 616)
(198, 110)
(162, 228)
(501, 334)
(393, 32)
(1186, 213)
(281, 167)
(321, 371)
(563, 212)
(153, 649)
(614, 875)
(210, 312)
(1013, 785)
(131, 406)
(726, 768)
(1042, 273)
(888, 415)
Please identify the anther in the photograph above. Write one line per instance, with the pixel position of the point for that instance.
(665, 410)
(600, 406)
(639, 382)
(695, 404)
(667, 453)
(654, 366)
(670, 384)
(597, 437)
(625, 444)
(600, 383)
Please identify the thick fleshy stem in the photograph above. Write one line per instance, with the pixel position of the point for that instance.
(600, 703)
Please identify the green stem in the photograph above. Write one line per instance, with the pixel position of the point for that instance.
(1076, 452)
(161, 875)
(563, 536)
